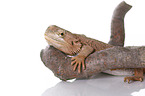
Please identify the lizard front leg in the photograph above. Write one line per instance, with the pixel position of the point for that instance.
(79, 60)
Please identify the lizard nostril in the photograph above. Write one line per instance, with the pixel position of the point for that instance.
(45, 34)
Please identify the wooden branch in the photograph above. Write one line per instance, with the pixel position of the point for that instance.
(117, 25)
(117, 37)
(116, 57)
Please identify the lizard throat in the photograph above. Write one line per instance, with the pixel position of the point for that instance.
(55, 42)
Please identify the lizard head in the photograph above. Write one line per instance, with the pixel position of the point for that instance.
(63, 40)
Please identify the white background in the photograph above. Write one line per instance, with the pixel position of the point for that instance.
(22, 27)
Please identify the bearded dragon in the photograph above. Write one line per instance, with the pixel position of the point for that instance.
(75, 45)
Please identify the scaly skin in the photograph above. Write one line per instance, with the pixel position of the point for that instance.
(75, 45)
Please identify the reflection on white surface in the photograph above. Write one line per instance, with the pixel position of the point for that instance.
(103, 85)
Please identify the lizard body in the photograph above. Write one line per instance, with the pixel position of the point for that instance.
(73, 44)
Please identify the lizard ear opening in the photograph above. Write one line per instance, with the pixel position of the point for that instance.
(72, 42)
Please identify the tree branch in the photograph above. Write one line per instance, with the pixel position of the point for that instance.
(117, 24)
(111, 58)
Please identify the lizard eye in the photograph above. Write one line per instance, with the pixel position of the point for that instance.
(61, 34)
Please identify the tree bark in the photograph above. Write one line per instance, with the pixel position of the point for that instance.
(117, 37)
(117, 24)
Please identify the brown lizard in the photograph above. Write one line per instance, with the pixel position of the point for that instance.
(75, 45)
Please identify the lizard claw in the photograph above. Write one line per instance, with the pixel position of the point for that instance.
(78, 62)
(133, 78)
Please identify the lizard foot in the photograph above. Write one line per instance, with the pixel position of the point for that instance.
(78, 61)
(133, 78)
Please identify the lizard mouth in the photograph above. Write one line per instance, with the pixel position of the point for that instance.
(55, 40)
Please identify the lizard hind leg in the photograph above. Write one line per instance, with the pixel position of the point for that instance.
(138, 76)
